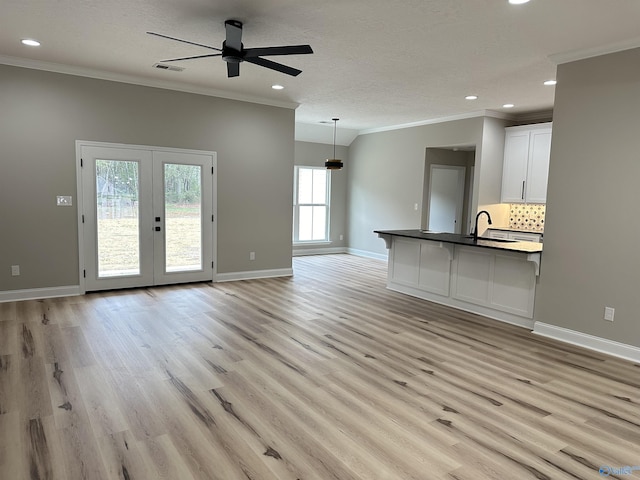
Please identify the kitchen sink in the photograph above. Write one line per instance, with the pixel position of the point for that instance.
(504, 240)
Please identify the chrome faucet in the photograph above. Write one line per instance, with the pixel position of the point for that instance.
(475, 232)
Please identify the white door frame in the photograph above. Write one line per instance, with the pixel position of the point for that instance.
(81, 206)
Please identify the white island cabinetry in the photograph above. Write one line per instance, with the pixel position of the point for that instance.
(489, 281)
(421, 265)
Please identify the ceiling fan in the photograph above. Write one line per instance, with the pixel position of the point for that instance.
(234, 53)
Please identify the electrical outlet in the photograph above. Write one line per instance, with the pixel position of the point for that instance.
(415, 207)
(609, 313)
(341, 237)
(15, 270)
(252, 255)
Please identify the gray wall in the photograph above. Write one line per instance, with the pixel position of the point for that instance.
(42, 114)
(313, 155)
(488, 177)
(387, 170)
(591, 230)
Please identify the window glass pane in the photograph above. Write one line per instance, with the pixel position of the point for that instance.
(312, 204)
(319, 186)
(305, 185)
(319, 223)
(305, 223)
(183, 217)
(117, 185)
(294, 233)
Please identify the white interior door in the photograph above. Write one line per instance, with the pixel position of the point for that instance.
(446, 195)
(148, 217)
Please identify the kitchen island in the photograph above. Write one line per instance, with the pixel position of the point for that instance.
(494, 278)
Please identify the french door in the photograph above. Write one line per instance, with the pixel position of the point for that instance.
(147, 216)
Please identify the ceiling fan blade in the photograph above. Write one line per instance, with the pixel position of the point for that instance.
(286, 50)
(184, 41)
(263, 62)
(191, 58)
(233, 69)
(234, 34)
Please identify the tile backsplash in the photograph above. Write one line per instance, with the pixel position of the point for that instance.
(527, 216)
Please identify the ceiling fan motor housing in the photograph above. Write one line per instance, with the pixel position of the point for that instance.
(230, 55)
(232, 47)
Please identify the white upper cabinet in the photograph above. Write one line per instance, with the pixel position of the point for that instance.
(526, 163)
(514, 169)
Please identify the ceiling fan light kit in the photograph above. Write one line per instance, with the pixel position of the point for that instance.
(234, 53)
(334, 163)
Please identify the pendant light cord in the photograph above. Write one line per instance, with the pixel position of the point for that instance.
(335, 128)
(334, 163)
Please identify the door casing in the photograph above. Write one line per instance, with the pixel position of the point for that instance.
(82, 206)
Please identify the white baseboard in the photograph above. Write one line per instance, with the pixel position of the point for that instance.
(367, 254)
(253, 275)
(318, 251)
(39, 293)
(602, 345)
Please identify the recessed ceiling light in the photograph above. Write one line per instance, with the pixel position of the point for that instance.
(277, 87)
(518, 2)
(508, 105)
(31, 42)
(550, 82)
(471, 97)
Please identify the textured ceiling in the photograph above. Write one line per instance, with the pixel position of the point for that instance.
(377, 63)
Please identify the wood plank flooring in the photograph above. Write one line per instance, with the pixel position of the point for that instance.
(326, 375)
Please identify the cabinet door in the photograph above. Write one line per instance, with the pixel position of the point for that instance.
(496, 234)
(514, 170)
(525, 237)
(538, 169)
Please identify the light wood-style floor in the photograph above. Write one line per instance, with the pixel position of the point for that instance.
(326, 375)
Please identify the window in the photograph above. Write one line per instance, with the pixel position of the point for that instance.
(311, 204)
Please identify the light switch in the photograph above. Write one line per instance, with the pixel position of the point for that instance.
(64, 201)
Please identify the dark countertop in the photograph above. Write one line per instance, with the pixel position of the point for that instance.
(512, 246)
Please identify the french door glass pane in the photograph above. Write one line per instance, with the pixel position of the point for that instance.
(183, 217)
(117, 188)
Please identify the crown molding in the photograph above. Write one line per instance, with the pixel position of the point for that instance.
(135, 80)
(582, 54)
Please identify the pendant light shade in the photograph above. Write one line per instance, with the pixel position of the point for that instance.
(334, 163)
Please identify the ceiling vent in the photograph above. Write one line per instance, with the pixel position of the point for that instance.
(163, 66)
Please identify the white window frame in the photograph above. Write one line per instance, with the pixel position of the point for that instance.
(296, 208)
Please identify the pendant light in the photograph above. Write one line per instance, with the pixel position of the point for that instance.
(334, 163)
